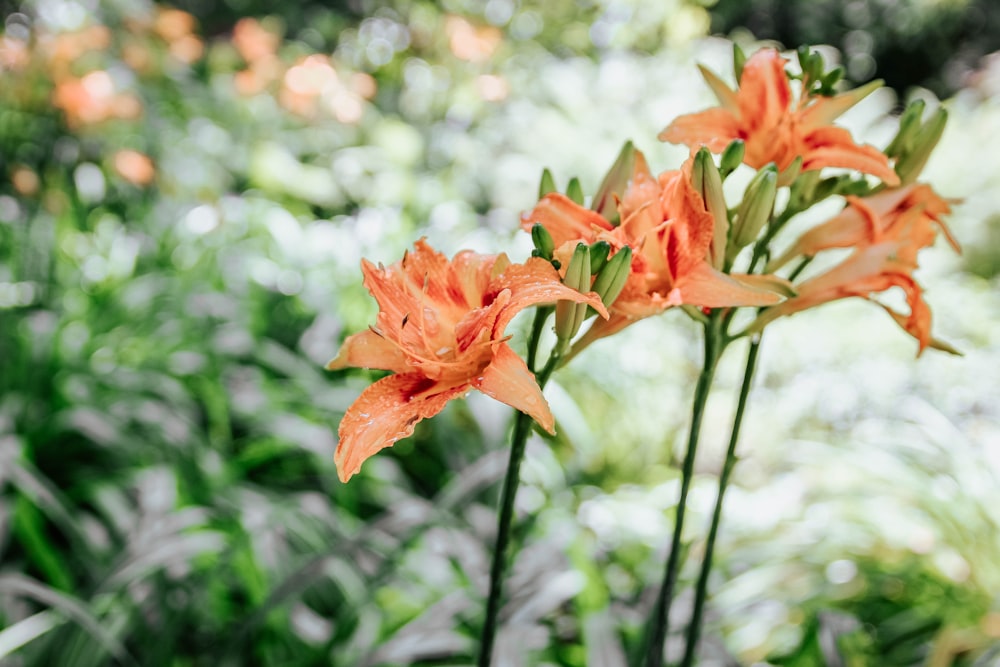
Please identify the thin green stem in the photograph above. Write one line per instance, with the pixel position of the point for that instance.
(701, 588)
(519, 439)
(541, 314)
(659, 625)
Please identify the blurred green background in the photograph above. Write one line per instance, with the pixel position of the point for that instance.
(185, 196)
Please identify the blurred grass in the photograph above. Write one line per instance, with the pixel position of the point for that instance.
(167, 492)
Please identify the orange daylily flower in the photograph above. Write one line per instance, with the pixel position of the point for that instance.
(886, 257)
(879, 217)
(440, 329)
(666, 223)
(761, 113)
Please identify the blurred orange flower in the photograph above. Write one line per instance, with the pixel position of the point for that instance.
(470, 43)
(666, 223)
(92, 99)
(135, 167)
(440, 329)
(253, 41)
(762, 114)
(63, 49)
(176, 27)
(885, 257)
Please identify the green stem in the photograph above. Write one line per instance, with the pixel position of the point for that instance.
(519, 439)
(701, 589)
(659, 625)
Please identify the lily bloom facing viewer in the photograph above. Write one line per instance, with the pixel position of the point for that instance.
(761, 112)
(440, 330)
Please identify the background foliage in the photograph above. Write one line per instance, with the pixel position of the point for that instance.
(184, 201)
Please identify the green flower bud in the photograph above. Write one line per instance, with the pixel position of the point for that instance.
(614, 184)
(569, 315)
(755, 210)
(575, 191)
(599, 256)
(611, 279)
(543, 241)
(912, 162)
(791, 172)
(739, 60)
(805, 189)
(731, 158)
(708, 182)
(909, 125)
(547, 185)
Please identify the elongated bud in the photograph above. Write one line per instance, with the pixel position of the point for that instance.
(599, 256)
(912, 162)
(755, 210)
(612, 278)
(569, 315)
(614, 184)
(544, 246)
(731, 158)
(909, 125)
(739, 60)
(790, 173)
(804, 189)
(575, 191)
(547, 185)
(708, 182)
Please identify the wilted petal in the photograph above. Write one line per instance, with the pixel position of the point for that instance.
(904, 321)
(508, 380)
(386, 412)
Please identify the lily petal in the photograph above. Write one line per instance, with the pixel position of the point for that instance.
(764, 94)
(714, 128)
(709, 288)
(369, 349)
(726, 95)
(384, 413)
(833, 147)
(565, 220)
(536, 282)
(508, 380)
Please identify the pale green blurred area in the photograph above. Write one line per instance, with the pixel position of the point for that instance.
(167, 431)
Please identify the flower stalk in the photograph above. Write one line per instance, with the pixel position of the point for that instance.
(512, 479)
(659, 625)
(701, 588)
